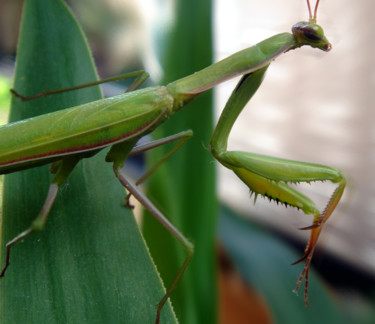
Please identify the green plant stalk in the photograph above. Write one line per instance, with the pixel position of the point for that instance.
(184, 187)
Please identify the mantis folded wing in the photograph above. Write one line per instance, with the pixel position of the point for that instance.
(67, 136)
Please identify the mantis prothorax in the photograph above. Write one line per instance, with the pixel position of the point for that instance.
(67, 136)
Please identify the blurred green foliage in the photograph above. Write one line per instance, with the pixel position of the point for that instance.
(4, 99)
(184, 187)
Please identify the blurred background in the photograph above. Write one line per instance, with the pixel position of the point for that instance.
(313, 106)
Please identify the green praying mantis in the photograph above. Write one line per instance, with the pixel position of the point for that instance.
(65, 137)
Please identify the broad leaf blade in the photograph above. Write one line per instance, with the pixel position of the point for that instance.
(90, 264)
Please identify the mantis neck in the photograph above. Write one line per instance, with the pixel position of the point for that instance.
(245, 61)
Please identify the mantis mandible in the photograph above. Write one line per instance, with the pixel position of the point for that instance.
(120, 121)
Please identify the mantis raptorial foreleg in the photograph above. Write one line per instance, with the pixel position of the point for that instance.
(269, 176)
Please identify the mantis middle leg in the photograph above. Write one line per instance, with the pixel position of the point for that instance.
(118, 156)
(181, 137)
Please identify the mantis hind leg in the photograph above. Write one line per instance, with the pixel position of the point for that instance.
(62, 169)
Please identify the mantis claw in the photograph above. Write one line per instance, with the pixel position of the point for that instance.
(310, 247)
(16, 94)
(309, 227)
(304, 274)
(318, 222)
(127, 201)
(307, 257)
(316, 228)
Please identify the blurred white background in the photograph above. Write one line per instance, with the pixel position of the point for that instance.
(313, 106)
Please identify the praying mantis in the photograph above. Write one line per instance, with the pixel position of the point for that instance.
(64, 138)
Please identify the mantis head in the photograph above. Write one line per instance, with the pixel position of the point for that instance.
(310, 33)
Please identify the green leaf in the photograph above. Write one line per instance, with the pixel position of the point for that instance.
(265, 263)
(90, 264)
(184, 187)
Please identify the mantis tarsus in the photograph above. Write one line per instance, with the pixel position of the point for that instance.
(122, 120)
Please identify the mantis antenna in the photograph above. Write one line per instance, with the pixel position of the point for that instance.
(311, 17)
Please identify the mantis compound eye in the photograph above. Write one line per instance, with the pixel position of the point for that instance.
(311, 34)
